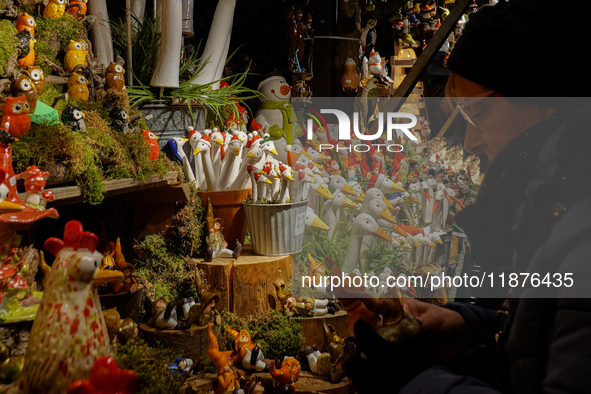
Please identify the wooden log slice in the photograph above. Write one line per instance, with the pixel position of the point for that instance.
(314, 333)
(193, 343)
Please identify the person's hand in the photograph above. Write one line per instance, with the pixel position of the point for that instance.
(376, 365)
(445, 327)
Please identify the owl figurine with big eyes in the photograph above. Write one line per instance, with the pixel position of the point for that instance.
(23, 86)
(79, 5)
(26, 22)
(73, 117)
(36, 75)
(75, 56)
(25, 49)
(54, 9)
(152, 141)
(115, 77)
(120, 119)
(78, 87)
(15, 116)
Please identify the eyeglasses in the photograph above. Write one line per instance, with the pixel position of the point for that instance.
(471, 101)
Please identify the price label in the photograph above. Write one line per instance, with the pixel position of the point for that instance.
(300, 224)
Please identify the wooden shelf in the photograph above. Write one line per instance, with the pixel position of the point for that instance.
(71, 194)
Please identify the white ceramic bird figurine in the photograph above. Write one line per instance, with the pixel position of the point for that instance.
(204, 150)
(194, 137)
(334, 209)
(231, 162)
(363, 225)
(188, 171)
(314, 222)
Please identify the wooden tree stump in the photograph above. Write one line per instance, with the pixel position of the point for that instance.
(192, 342)
(314, 333)
(245, 285)
(253, 277)
(218, 274)
(127, 304)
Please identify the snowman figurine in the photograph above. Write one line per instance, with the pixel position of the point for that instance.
(275, 111)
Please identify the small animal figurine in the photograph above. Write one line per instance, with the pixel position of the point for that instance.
(286, 372)
(115, 78)
(164, 316)
(128, 283)
(73, 117)
(25, 49)
(54, 9)
(35, 73)
(75, 56)
(106, 378)
(16, 119)
(26, 22)
(120, 119)
(35, 180)
(152, 141)
(180, 366)
(226, 381)
(23, 86)
(78, 8)
(78, 87)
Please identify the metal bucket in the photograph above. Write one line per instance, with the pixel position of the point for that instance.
(276, 229)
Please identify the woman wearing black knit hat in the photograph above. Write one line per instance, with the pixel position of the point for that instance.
(533, 214)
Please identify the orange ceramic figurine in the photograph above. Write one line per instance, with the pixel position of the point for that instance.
(15, 116)
(288, 373)
(247, 354)
(226, 382)
(26, 22)
(129, 283)
(106, 378)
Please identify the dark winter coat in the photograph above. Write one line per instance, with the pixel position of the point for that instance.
(534, 212)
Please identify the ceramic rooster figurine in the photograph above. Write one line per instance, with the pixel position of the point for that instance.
(69, 332)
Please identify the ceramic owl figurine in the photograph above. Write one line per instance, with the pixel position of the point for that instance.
(73, 117)
(36, 75)
(54, 9)
(23, 86)
(78, 87)
(25, 49)
(16, 119)
(115, 77)
(75, 56)
(26, 22)
(152, 141)
(120, 119)
(80, 10)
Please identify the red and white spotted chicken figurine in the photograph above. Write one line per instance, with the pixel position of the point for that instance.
(69, 332)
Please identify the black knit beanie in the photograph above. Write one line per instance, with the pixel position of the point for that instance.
(526, 48)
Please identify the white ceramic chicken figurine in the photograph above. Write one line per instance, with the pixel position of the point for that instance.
(69, 332)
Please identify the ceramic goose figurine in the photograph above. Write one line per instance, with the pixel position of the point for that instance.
(363, 225)
(435, 239)
(231, 162)
(286, 179)
(200, 183)
(242, 181)
(314, 222)
(204, 149)
(180, 143)
(334, 210)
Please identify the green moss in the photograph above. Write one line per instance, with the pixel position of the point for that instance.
(187, 230)
(276, 334)
(49, 92)
(164, 273)
(30, 7)
(44, 52)
(151, 365)
(58, 32)
(8, 42)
